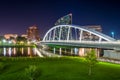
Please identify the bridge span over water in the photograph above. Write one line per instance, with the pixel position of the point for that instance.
(85, 44)
(79, 36)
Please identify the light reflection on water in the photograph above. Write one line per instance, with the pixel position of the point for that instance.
(16, 52)
(4, 51)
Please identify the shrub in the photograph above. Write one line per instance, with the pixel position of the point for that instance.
(2, 66)
(32, 72)
(91, 59)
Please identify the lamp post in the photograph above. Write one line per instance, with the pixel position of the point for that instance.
(3, 42)
(113, 34)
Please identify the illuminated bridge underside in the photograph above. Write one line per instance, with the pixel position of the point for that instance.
(85, 44)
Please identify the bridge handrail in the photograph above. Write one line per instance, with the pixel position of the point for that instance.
(77, 41)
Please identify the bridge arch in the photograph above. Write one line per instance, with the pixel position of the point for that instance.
(73, 32)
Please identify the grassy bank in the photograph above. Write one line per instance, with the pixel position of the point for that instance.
(65, 68)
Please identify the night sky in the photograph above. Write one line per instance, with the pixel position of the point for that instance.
(17, 15)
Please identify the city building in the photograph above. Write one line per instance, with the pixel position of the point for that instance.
(65, 20)
(33, 33)
(95, 27)
(11, 37)
(8, 36)
(24, 35)
(88, 36)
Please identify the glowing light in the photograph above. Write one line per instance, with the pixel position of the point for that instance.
(81, 51)
(14, 51)
(28, 50)
(28, 42)
(4, 40)
(22, 51)
(34, 51)
(21, 42)
(76, 50)
(9, 42)
(38, 52)
(10, 51)
(60, 52)
(112, 33)
(4, 51)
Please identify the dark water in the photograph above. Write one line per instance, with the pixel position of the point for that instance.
(17, 51)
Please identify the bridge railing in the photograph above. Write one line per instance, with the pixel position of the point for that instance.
(77, 41)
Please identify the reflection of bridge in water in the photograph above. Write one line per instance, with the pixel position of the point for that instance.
(75, 37)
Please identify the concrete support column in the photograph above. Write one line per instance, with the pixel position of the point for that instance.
(71, 51)
(65, 51)
(76, 51)
(98, 53)
(54, 50)
(60, 51)
(81, 51)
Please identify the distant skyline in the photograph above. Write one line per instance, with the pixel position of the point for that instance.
(17, 15)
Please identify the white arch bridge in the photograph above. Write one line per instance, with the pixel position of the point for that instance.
(78, 36)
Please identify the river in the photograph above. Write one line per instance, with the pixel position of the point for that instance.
(17, 51)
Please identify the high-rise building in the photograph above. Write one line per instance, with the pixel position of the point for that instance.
(65, 20)
(95, 27)
(33, 33)
(88, 36)
(24, 35)
(8, 36)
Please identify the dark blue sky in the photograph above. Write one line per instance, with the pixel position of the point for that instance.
(17, 15)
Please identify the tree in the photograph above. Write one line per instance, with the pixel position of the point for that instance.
(19, 39)
(32, 72)
(91, 60)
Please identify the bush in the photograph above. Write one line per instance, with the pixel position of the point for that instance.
(2, 66)
(32, 72)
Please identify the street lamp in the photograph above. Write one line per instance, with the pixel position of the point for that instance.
(4, 41)
(113, 34)
(9, 42)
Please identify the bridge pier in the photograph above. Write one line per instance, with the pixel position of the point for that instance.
(98, 52)
(65, 51)
(83, 51)
(76, 51)
(60, 51)
(71, 51)
(54, 50)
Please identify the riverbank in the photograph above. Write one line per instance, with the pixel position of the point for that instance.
(62, 68)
